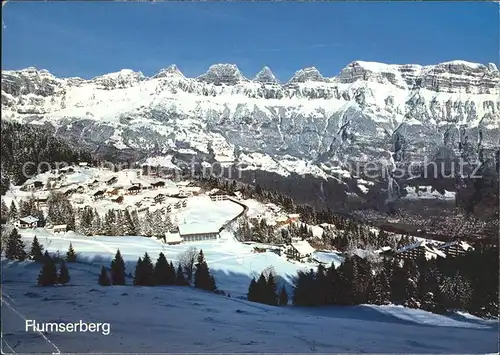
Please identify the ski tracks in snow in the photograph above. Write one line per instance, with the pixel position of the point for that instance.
(23, 317)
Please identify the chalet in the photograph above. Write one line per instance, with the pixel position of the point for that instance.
(299, 250)
(158, 184)
(27, 222)
(61, 228)
(112, 181)
(218, 196)
(293, 217)
(455, 248)
(160, 198)
(69, 192)
(238, 195)
(198, 232)
(133, 190)
(98, 195)
(93, 183)
(136, 183)
(34, 185)
(173, 237)
(113, 192)
(182, 183)
(41, 201)
(66, 170)
(119, 199)
(142, 209)
(419, 249)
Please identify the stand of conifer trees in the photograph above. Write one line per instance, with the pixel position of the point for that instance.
(468, 282)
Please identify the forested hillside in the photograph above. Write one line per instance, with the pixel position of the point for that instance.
(28, 146)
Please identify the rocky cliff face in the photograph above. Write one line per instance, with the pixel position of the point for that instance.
(310, 124)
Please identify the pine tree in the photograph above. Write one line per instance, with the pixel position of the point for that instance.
(148, 270)
(283, 298)
(128, 224)
(180, 277)
(36, 251)
(48, 274)
(139, 273)
(161, 270)
(96, 224)
(171, 274)
(261, 289)
(202, 277)
(63, 277)
(15, 247)
(271, 297)
(252, 291)
(118, 269)
(104, 278)
(4, 213)
(71, 255)
(13, 215)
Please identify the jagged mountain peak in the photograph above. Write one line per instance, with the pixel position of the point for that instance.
(266, 76)
(171, 71)
(228, 74)
(307, 74)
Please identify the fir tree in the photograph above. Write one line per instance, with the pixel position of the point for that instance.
(261, 289)
(13, 215)
(118, 269)
(148, 270)
(15, 247)
(171, 279)
(71, 255)
(180, 277)
(271, 297)
(48, 274)
(283, 298)
(161, 271)
(128, 224)
(202, 277)
(4, 213)
(36, 251)
(63, 277)
(139, 273)
(252, 291)
(104, 278)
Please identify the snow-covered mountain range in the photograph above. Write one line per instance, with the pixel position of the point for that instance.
(310, 124)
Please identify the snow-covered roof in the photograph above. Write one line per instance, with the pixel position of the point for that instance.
(29, 219)
(60, 226)
(465, 246)
(294, 215)
(430, 250)
(173, 237)
(182, 183)
(198, 228)
(303, 247)
(382, 250)
(84, 163)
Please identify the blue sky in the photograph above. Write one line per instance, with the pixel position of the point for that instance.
(87, 39)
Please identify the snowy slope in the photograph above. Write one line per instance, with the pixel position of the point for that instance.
(177, 319)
